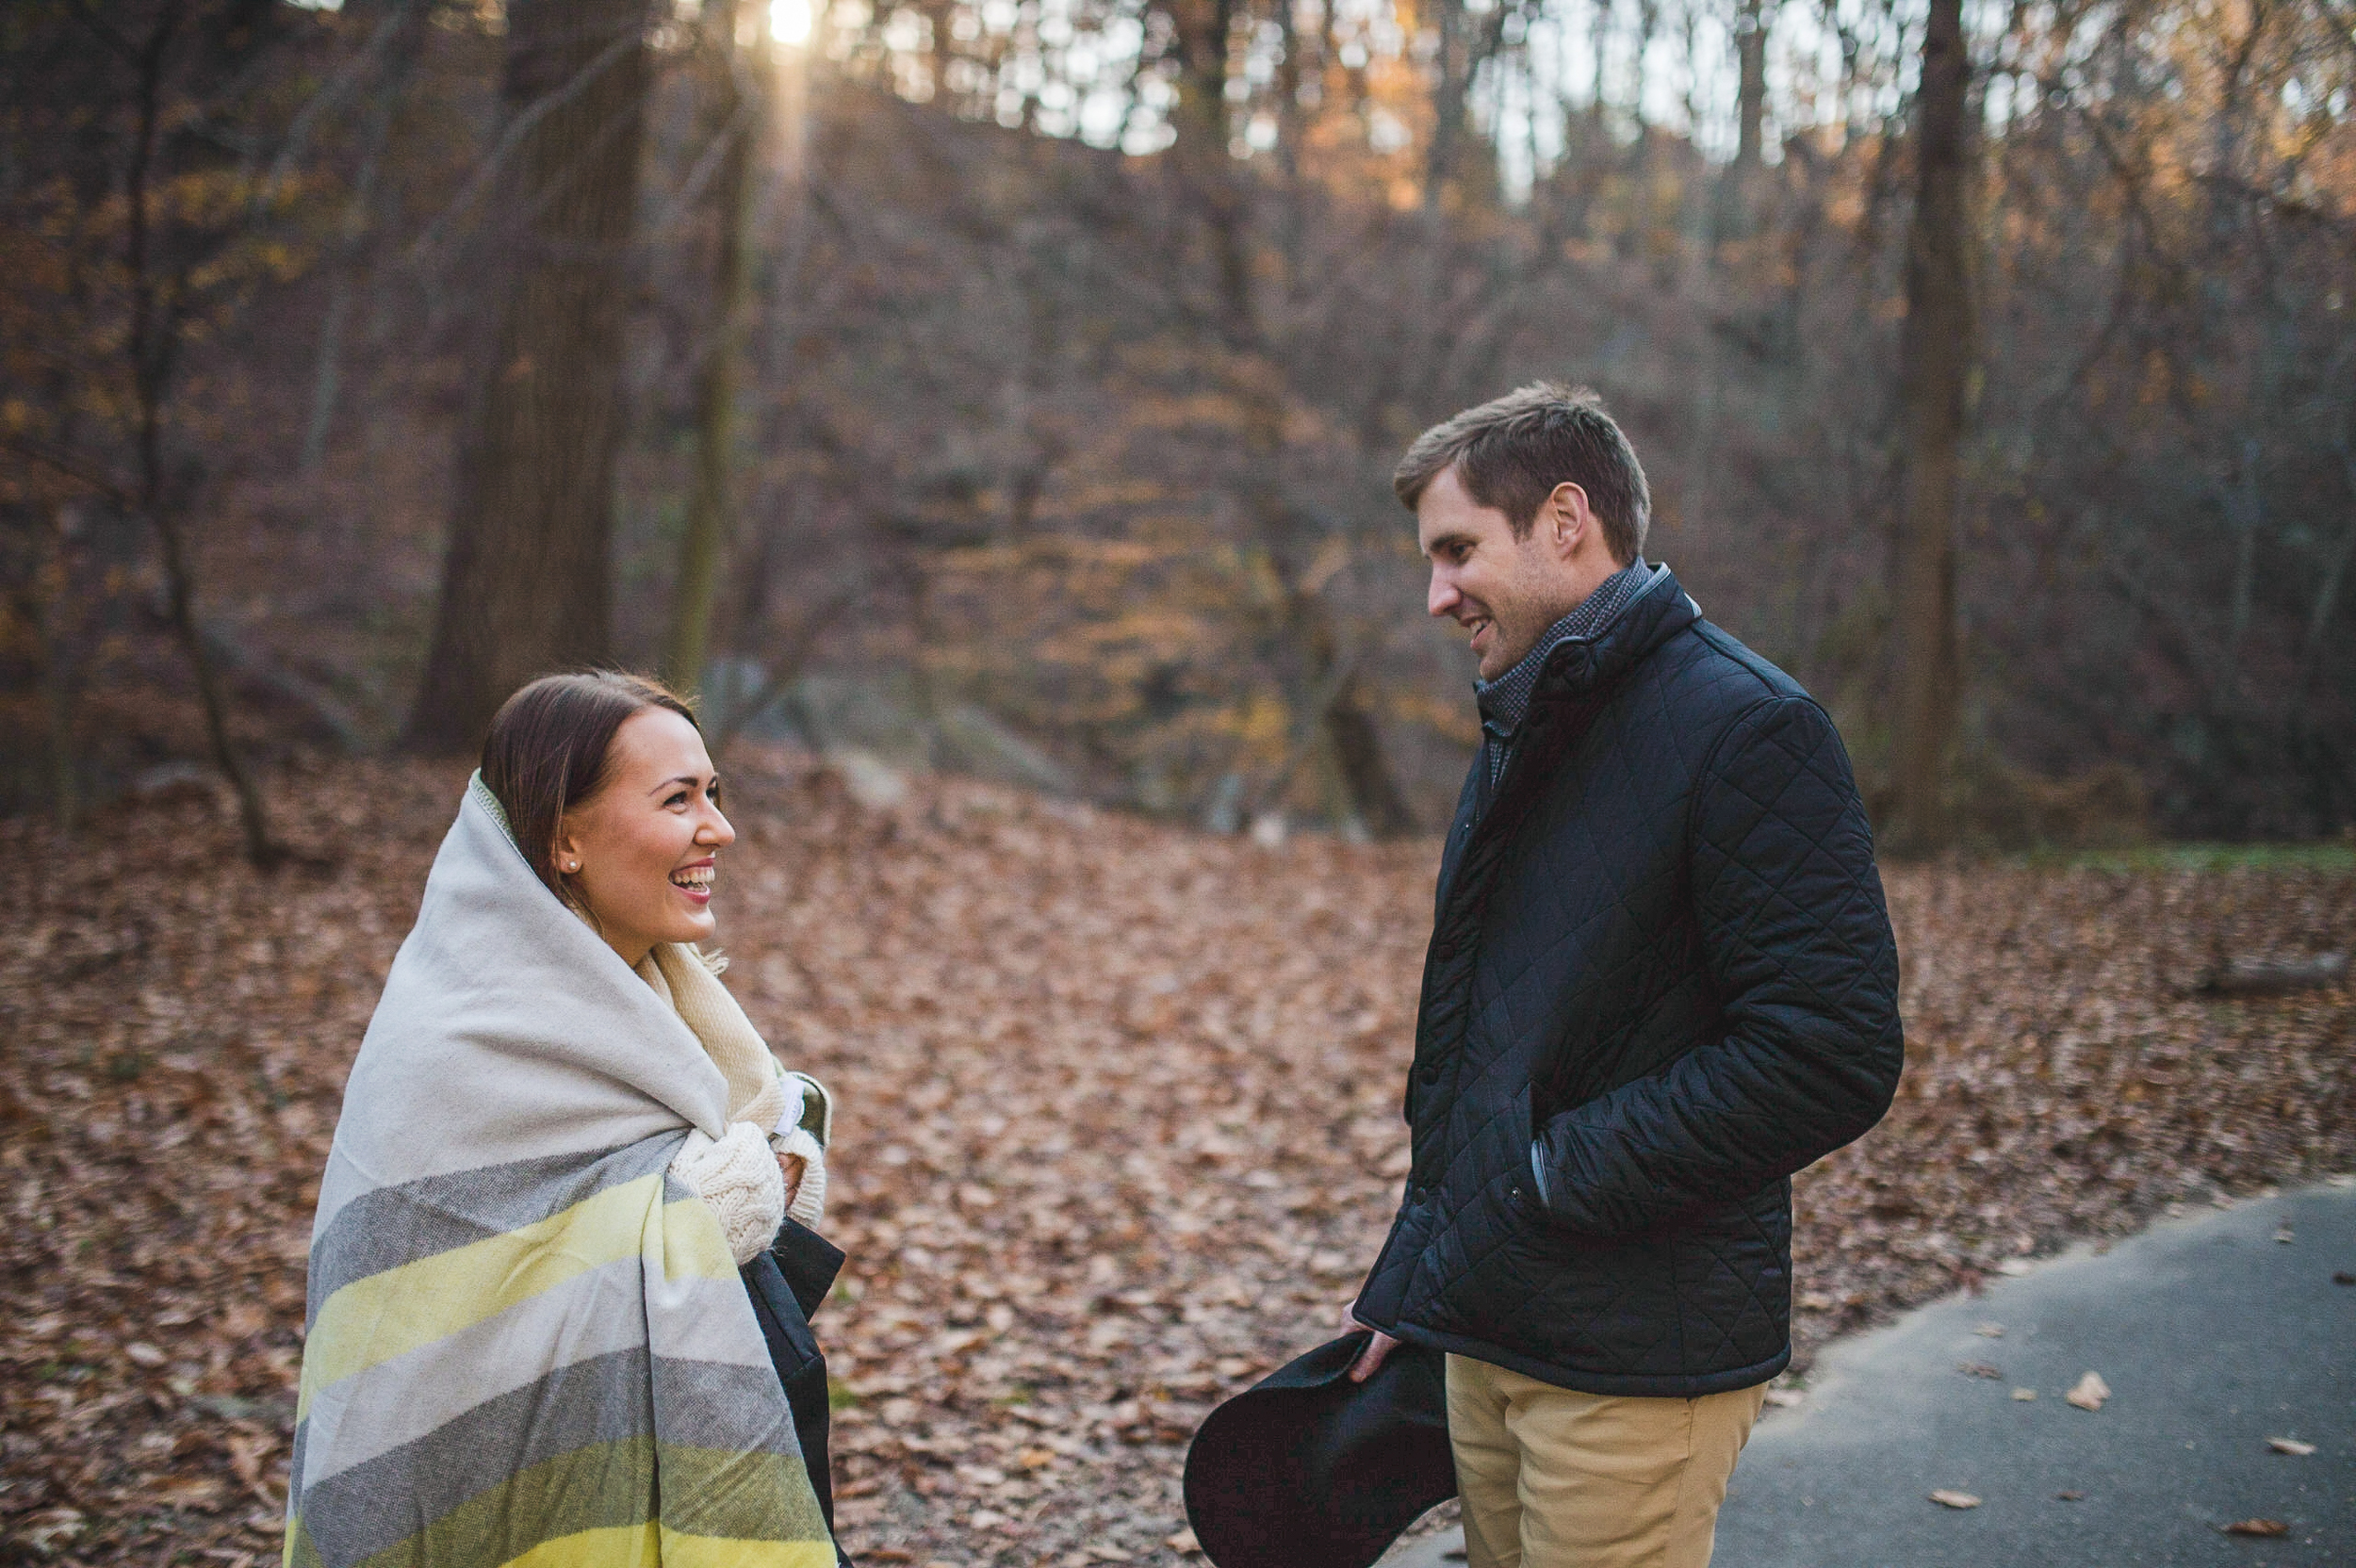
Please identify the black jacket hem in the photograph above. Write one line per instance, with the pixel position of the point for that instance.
(1615, 1384)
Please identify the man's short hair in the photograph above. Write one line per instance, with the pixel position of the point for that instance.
(1509, 453)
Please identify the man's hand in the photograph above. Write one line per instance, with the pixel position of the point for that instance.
(1373, 1355)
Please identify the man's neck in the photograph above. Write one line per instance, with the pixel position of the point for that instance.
(1504, 699)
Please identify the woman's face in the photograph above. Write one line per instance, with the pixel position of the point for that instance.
(640, 854)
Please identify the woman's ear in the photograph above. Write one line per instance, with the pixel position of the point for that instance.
(566, 845)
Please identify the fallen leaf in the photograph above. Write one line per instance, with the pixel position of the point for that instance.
(1955, 1499)
(905, 960)
(2282, 1233)
(2024, 1394)
(2344, 1277)
(2015, 1267)
(144, 1353)
(2290, 1445)
(45, 1529)
(2258, 1527)
(2090, 1392)
(201, 1492)
(1184, 1543)
(2070, 1497)
(1990, 1330)
(1978, 1369)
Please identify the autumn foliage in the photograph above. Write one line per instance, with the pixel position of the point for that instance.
(1119, 1125)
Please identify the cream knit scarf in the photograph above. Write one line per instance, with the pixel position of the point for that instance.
(771, 1111)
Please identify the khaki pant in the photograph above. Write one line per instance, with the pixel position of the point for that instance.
(1552, 1479)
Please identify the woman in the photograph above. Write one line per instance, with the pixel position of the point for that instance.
(526, 1338)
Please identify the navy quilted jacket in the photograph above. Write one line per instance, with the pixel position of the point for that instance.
(1661, 979)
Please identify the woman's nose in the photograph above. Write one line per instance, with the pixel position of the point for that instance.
(716, 831)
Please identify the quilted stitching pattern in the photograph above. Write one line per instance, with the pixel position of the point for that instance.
(1661, 966)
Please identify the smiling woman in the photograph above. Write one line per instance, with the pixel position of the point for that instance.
(560, 1143)
(631, 836)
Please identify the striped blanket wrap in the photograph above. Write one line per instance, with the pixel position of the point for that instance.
(526, 1340)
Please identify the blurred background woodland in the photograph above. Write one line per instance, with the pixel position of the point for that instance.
(1011, 388)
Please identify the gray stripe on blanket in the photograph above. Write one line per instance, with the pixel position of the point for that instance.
(409, 1396)
(384, 1501)
(399, 1225)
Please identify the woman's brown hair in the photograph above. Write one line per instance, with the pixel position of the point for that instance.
(550, 746)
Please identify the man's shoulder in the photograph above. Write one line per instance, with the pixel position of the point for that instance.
(1707, 677)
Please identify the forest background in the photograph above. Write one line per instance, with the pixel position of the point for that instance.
(1011, 388)
(1014, 386)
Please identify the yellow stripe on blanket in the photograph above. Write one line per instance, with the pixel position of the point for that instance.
(712, 1551)
(372, 1320)
(649, 1545)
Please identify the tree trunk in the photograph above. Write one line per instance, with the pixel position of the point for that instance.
(527, 582)
(710, 512)
(1935, 359)
(1750, 48)
(1454, 60)
(154, 350)
(400, 57)
(1333, 725)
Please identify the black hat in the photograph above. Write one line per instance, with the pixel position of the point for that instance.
(1306, 1469)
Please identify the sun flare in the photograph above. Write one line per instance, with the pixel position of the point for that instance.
(789, 21)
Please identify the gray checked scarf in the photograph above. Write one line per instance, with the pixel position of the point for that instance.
(1504, 700)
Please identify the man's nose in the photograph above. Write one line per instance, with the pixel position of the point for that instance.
(1443, 595)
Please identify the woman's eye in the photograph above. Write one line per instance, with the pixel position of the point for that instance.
(679, 799)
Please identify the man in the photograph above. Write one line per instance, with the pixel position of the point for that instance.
(1661, 979)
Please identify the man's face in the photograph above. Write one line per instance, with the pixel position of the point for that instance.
(1504, 591)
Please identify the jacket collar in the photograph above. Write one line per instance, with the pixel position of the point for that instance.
(1579, 666)
(1504, 700)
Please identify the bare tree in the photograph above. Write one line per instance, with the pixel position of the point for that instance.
(1934, 356)
(527, 583)
(738, 72)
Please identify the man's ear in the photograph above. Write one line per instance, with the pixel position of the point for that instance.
(1567, 519)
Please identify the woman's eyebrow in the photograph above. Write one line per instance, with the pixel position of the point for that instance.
(687, 778)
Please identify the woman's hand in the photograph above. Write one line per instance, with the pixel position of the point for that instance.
(792, 1167)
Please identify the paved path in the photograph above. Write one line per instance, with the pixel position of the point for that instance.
(2213, 1336)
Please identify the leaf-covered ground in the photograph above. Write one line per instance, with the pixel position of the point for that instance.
(1119, 1126)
